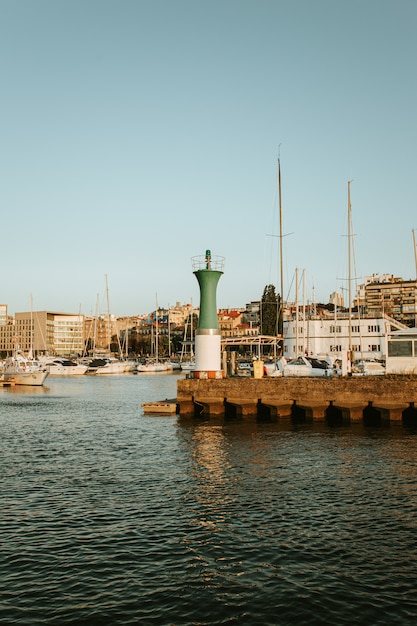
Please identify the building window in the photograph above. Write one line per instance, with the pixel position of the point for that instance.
(400, 348)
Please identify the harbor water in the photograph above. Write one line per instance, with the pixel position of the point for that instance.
(111, 517)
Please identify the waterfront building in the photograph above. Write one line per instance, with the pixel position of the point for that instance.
(49, 332)
(364, 336)
(402, 352)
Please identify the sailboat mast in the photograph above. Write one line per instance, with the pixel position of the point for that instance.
(156, 328)
(169, 331)
(280, 236)
(108, 315)
(349, 272)
(296, 314)
(31, 328)
(415, 259)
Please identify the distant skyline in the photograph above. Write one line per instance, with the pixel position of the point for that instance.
(136, 135)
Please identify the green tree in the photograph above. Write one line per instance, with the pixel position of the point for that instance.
(271, 312)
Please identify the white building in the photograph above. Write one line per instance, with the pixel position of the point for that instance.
(365, 337)
(402, 352)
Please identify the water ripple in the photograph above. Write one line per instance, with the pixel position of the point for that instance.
(112, 517)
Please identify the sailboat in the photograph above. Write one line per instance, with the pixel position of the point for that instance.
(109, 365)
(154, 365)
(188, 364)
(22, 370)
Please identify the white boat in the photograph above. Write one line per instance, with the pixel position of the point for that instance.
(59, 366)
(308, 366)
(108, 365)
(187, 366)
(152, 367)
(22, 370)
(160, 407)
(111, 366)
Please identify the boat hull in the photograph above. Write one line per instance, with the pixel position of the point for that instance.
(159, 407)
(34, 379)
(67, 370)
(112, 368)
(153, 368)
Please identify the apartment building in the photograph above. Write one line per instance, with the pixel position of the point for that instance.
(386, 294)
(47, 331)
(395, 297)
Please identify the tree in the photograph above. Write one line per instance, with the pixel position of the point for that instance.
(271, 312)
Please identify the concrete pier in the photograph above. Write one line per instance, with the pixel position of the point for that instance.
(370, 400)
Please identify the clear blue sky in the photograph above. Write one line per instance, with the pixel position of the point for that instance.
(136, 134)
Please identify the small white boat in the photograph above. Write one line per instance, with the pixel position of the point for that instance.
(187, 366)
(152, 367)
(159, 407)
(22, 370)
(58, 366)
(112, 366)
(107, 365)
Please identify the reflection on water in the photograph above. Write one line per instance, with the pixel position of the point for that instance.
(109, 516)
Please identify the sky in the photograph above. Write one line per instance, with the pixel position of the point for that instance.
(137, 134)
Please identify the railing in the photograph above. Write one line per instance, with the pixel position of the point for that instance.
(208, 262)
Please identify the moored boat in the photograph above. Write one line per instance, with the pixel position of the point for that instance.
(160, 407)
(22, 370)
(59, 366)
(107, 365)
(112, 366)
(152, 367)
(187, 366)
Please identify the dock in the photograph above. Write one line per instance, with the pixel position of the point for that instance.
(370, 400)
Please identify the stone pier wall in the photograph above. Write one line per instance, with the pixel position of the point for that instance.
(317, 393)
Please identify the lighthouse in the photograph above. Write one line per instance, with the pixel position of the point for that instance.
(208, 271)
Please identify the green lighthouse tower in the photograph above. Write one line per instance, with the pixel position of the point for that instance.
(208, 271)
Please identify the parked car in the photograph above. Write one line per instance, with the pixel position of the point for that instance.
(308, 366)
(244, 368)
(274, 368)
